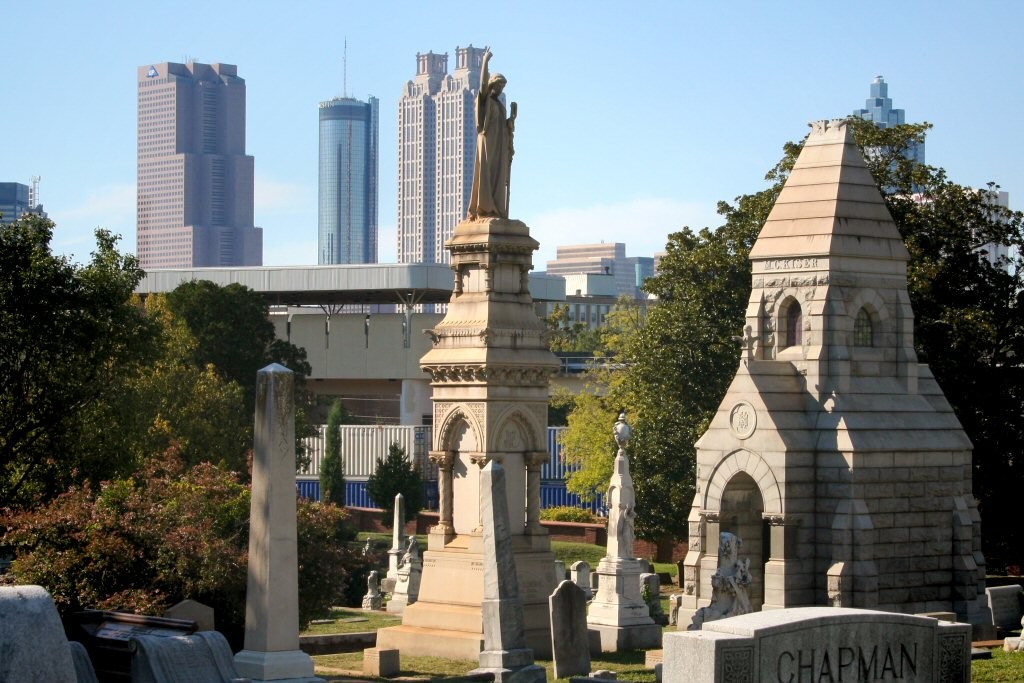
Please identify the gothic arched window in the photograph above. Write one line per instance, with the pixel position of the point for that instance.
(794, 325)
(863, 329)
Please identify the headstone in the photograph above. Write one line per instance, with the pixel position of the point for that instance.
(674, 603)
(372, 600)
(33, 648)
(730, 584)
(505, 654)
(203, 657)
(581, 577)
(397, 538)
(650, 590)
(410, 571)
(618, 612)
(820, 644)
(1005, 603)
(559, 572)
(381, 663)
(646, 567)
(272, 595)
(595, 581)
(190, 610)
(570, 643)
(84, 671)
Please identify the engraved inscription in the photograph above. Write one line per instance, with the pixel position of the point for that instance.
(805, 263)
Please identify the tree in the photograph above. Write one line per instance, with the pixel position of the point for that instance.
(167, 533)
(394, 474)
(171, 402)
(233, 333)
(68, 335)
(565, 335)
(332, 466)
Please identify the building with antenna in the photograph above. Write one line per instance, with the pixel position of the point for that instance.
(195, 181)
(436, 149)
(18, 199)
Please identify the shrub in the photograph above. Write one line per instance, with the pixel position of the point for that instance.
(566, 513)
(332, 467)
(166, 534)
(395, 474)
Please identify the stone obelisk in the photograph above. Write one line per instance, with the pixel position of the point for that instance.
(505, 653)
(397, 544)
(618, 612)
(489, 369)
(272, 596)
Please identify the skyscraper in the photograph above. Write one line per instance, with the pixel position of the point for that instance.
(348, 181)
(195, 181)
(436, 148)
(13, 202)
(878, 108)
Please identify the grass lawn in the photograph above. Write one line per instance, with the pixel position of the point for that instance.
(1004, 667)
(351, 620)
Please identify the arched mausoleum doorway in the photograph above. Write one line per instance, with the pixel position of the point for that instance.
(741, 513)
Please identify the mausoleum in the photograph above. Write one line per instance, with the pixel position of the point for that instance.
(835, 456)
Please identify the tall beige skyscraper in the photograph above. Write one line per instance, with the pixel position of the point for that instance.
(436, 148)
(195, 181)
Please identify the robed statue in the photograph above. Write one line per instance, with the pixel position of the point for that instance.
(494, 131)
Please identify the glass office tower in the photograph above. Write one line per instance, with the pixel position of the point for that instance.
(348, 181)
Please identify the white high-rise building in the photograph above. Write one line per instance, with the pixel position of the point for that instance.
(436, 148)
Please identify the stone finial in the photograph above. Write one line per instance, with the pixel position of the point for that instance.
(622, 431)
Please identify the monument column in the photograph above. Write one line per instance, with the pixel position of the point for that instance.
(444, 460)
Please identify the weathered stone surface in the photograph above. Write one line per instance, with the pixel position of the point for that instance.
(397, 541)
(203, 657)
(820, 643)
(83, 665)
(410, 572)
(33, 648)
(373, 599)
(580, 572)
(381, 663)
(193, 611)
(1006, 605)
(570, 643)
(505, 654)
(272, 592)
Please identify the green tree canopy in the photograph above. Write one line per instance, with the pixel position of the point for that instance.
(395, 474)
(332, 466)
(68, 334)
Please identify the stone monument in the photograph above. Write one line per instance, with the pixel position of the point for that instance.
(730, 584)
(489, 368)
(272, 594)
(373, 599)
(618, 612)
(834, 454)
(410, 571)
(570, 641)
(397, 544)
(505, 654)
(820, 644)
(33, 646)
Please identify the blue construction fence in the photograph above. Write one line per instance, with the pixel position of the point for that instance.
(553, 492)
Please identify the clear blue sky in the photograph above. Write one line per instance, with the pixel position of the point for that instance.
(635, 117)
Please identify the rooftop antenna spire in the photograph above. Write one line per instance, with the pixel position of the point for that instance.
(344, 69)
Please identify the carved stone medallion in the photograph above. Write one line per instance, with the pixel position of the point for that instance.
(742, 419)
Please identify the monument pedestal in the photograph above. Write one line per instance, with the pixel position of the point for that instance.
(280, 667)
(446, 620)
(618, 612)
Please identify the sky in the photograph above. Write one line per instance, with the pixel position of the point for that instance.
(635, 118)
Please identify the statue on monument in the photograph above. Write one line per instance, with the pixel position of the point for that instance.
(730, 584)
(493, 147)
(621, 498)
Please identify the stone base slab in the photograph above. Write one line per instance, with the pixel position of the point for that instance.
(293, 666)
(620, 638)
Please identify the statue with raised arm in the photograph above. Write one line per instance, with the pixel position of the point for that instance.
(494, 150)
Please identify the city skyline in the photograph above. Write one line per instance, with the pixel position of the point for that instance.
(634, 123)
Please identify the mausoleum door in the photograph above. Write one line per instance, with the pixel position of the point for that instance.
(741, 514)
